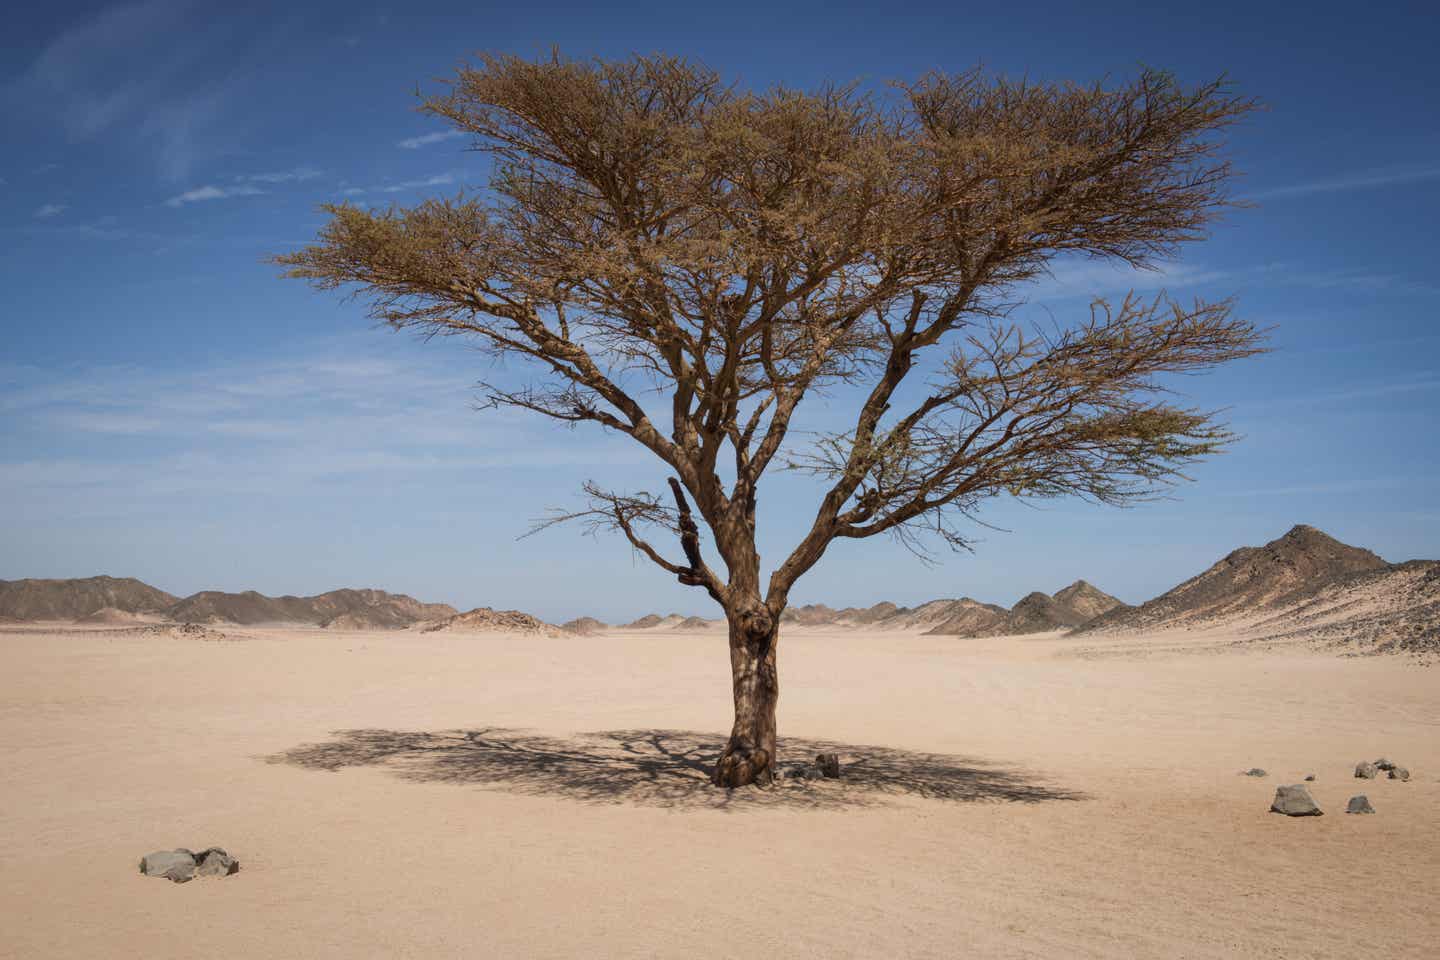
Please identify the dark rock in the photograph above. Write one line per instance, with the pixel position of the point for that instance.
(176, 865)
(1365, 770)
(1383, 764)
(1294, 801)
(829, 764)
(1309, 776)
(799, 771)
(1359, 804)
(215, 862)
(1399, 773)
(1255, 772)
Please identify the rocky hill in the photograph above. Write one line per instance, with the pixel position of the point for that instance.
(486, 620)
(1036, 613)
(1086, 600)
(968, 618)
(72, 599)
(1392, 610)
(1250, 580)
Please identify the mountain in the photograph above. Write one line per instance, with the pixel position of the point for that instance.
(73, 599)
(584, 626)
(338, 609)
(1250, 580)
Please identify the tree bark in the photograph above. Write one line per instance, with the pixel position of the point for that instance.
(749, 756)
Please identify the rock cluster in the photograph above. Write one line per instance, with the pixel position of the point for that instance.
(181, 865)
(1369, 770)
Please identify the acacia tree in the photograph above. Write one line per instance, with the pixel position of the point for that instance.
(651, 230)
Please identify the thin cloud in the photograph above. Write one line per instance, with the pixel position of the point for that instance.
(281, 176)
(438, 180)
(425, 140)
(50, 210)
(210, 192)
(1361, 180)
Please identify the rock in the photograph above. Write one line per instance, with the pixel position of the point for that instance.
(215, 862)
(799, 771)
(1255, 772)
(1359, 804)
(1399, 773)
(1383, 764)
(1365, 770)
(829, 764)
(1294, 801)
(1309, 776)
(176, 865)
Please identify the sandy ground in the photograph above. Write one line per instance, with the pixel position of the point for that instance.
(513, 797)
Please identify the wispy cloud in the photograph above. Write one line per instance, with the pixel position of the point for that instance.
(1071, 279)
(438, 180)
(281, 176)
(426, 139)
(269, 425)
(50, 210)
(1359, 180)
(211, 192)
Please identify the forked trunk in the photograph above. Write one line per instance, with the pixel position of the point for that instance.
(749, 757)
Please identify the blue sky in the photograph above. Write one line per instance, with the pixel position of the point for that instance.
(171, 410)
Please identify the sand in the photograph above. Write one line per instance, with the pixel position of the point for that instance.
(543, 797)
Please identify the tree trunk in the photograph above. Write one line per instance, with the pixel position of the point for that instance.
(749, 757)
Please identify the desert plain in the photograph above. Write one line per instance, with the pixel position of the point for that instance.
(410, 794)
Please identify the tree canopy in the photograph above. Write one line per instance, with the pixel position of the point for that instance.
(649, 226)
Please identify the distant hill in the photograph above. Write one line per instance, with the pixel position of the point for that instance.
(969, 618)
(1086, 600)
(584, 626)
(966, 617)
(338, 609)
(486, 620)
(1036, 613)
(73, 599)
(1248, 581)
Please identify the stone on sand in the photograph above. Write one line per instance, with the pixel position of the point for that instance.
(176, 865)
(1359, 804)
(1365, 770)
(1399, 773)
(215, 862)
(1294, 800)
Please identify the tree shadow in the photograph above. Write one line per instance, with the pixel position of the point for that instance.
(663, 768)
